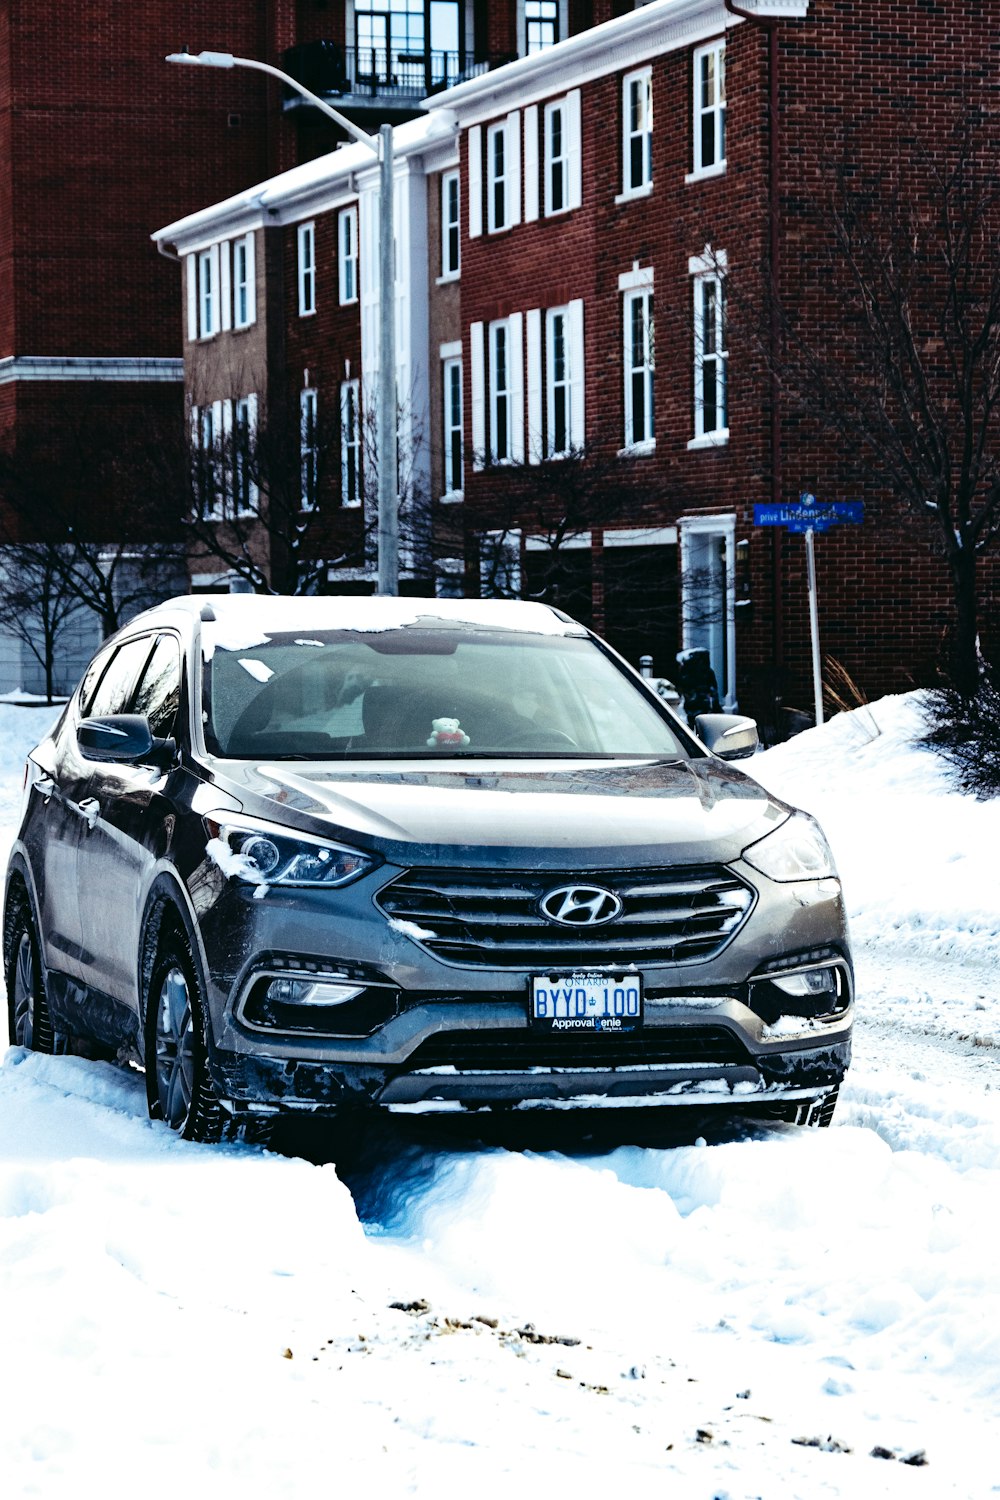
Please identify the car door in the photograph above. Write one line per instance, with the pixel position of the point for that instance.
(52, 831)
(126, 830)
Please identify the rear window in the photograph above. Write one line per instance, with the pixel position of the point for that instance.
(415, 692)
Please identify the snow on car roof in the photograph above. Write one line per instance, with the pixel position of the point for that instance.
(241, 621)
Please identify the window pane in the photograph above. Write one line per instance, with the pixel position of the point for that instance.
(116, 684)
(159, 691)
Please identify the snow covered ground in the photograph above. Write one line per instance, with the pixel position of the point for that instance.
(755, 1315)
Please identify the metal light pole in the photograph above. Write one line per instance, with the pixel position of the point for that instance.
(381, 146)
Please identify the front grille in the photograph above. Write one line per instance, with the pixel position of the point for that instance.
(492, 920)
(512, 1051)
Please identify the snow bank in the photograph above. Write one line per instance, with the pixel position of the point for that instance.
(750, 1318)
(916, 857)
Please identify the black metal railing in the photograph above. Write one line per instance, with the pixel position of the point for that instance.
(376, 74)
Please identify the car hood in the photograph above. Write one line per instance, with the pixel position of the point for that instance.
(682, 810)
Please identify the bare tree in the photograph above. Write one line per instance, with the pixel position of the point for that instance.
(895, 370)
(36, 604)
(282, 503)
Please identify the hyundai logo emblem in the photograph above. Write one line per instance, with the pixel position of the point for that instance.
(580, 905)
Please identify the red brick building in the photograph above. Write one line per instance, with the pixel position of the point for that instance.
(100, 141)
(551, 215)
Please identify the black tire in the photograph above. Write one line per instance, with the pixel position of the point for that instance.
(28, 1021)
(179, 1087)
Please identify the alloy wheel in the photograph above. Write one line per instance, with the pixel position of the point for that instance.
(175, 1048)
(25, 990)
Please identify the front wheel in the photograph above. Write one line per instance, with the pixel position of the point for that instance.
(28, 1021)
(179, 1088)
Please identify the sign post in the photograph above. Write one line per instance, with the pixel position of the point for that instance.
(810, 516)
(814, 625)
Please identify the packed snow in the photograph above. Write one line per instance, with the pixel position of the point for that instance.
(759, 1311)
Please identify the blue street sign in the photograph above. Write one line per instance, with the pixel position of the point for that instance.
(811, 514)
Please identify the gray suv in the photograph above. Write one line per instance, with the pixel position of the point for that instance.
(416, 855)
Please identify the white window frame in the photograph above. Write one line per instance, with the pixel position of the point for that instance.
(524, 23)
(305, 239)
(708, 274)
(644, 368)
(451, 226)
(698, 627)
(347, 255)
(308, 448)
(208, 292)
(497, 184)
(556, 166)
(206, 425)
(350, 443)
(452, 473)
(244, 282)
(714, 111)
(245, 491)
(641, 79)
(556, 386)
(500, 395)
(500, 563)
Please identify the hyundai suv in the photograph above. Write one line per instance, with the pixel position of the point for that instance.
(414, 855)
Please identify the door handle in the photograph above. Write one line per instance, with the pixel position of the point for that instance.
(90, 810)
(44, 785)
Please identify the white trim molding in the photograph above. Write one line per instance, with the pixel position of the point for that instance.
(84, 367)
(708, 595)
(613, 47)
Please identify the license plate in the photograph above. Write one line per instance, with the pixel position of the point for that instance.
(586, 1002)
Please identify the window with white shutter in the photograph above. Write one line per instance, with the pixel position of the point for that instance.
(244, 284)
(711, 356)
(709, 130)
(350, 443)
(308, 448)
(637, 133)
(245, 492)
(347, 255)
(477, 378)
(306, 243)
(451, 226)
(474, 142)
(451, 374)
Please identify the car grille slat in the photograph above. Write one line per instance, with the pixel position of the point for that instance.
(474, 919)
(509, 1050)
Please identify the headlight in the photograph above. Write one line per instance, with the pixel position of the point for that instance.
(797, 850)
(264, 856)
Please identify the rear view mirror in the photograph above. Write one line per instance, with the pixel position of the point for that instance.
(729, 736)
(115, 737)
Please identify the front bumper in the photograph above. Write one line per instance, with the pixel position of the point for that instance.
(702, 1041)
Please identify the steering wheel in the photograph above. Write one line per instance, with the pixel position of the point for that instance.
(543, 739)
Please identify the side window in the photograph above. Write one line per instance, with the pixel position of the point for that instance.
(116, 684)
(91, 678)
(159, 691)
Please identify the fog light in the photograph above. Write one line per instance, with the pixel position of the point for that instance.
(311, 992)
(808, 982)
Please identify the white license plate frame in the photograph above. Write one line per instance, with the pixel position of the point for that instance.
(608, 1002)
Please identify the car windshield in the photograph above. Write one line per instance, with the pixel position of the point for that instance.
(430, 693)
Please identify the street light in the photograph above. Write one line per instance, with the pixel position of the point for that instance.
(381, 146)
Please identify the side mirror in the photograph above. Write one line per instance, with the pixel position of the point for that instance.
(729, 736)
(124, 738)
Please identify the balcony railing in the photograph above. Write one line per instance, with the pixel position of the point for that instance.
(375, 76)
